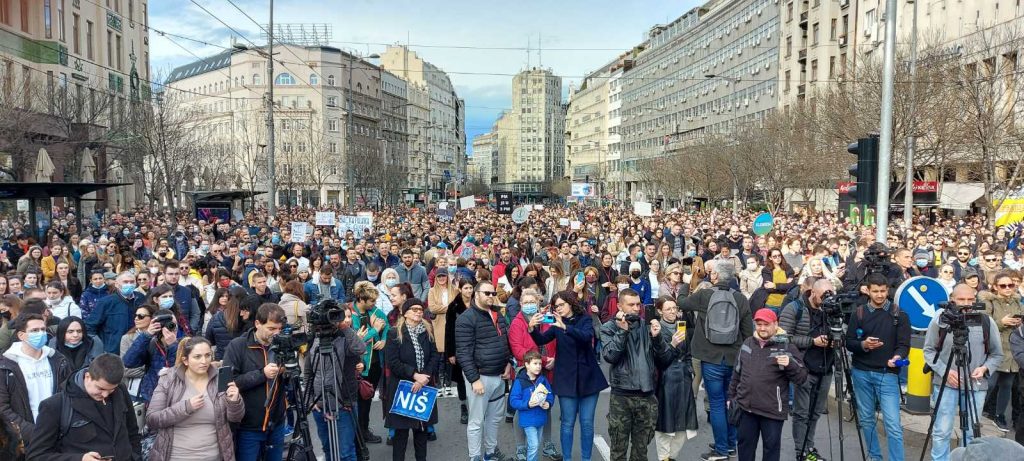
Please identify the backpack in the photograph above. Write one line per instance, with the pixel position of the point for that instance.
(722, 320)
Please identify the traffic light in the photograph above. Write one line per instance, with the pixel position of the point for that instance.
(865, 191)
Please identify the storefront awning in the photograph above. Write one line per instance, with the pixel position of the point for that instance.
(960, 196)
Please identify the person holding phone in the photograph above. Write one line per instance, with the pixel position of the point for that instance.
(677, 409)
(189, 412)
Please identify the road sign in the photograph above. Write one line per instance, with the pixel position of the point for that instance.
(919, 297)
(520, 215)
(763, 224)
(417, 405)
(504, 200)
(447, 175)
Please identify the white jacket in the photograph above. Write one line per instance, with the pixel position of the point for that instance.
(66, 307)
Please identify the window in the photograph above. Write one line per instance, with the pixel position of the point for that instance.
(835, 29)
(789, 46)
(60, 20)
(314, 79)
(870, 22)
(286, 125)
(787, 81)
(332, 101)
(814, 34)
(118, 51)
(76, 45)
(814, 70)
(5, 11)
(831, 67)
(26, 6)
(255, 79)
(332, 125)
(284, 79)
(332, 147)
(131, 10)
(88, 39)
(47, 19)
(110, 49)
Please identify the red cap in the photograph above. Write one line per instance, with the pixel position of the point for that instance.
(765, 315)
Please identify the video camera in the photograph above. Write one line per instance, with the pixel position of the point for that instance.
(839, 305)
(957, 317)
(285, 346)
(324, 317)
(876, 259)
(778, 346)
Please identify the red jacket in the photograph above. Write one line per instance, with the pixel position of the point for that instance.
(520, 342)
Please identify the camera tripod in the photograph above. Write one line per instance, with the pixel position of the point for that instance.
(325, 365)
(842, 364)
(960, 357)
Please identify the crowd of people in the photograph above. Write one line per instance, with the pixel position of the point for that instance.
(114, 337)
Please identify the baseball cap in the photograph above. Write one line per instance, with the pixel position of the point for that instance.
(765, 315)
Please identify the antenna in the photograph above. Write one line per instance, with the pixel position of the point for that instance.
(527, 53)
(540, 62)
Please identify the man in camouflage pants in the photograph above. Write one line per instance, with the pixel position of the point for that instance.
(630, 346)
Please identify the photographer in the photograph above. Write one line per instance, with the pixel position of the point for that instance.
(878, 335)
(154, 349)
(347, 349)
(984, 351)
(261, 432)
(808, 327)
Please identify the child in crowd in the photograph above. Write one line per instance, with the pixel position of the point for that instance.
(531, 396)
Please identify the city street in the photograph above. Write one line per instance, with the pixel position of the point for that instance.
(451, 437)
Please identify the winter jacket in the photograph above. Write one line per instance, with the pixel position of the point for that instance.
(1001, 307)
(264, 398)
(295, 310)
(415, 276)
(677, 407)
(66, 307)
(90, 297)
(347, 349)
(371, 336)
(86, 431)
(93, 348)
(632, 354)
(113, 317)
(16, 416)
(937, 359)
(314, 296)
(455, 309)
(576, 373)
(151, 353)
(699, 345)
(169, 408)
(126, 343)
(797, 331)
(218, 334)
(401, 361)
(519, 398)
(750, 281)
(759, 385)
(481, 343)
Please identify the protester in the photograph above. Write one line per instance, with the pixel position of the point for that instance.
(677, 408)
(74, 344)
(112, 317)
(411, 355)
(347, 348)
(60, 302)
(521, 343)
(188, 413)
(154, 349)
(372, 326)
(532, 410)
(455, 309)
(1004, 304)
(143, 318)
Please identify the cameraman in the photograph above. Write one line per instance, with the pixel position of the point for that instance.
(260, 435)
(878, 335)
(984, 353)
(342, 385)
(807, 325)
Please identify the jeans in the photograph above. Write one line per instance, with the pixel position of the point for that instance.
(346, 434)
(883, 389)
(251, 444)
(584, 407)
(534, 438)
(716, 383)
(946, 417)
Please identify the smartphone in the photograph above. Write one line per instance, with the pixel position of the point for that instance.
(681, 327)
(548, 318)
(1019, 316)
(872, 338)
(579, 278)
(224, 377)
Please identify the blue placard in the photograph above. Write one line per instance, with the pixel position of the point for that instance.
(919, 297)
(763, 224)
(417, 405)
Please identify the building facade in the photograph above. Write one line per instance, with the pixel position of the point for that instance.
(71, 72)
(484, 150)
(816, 47)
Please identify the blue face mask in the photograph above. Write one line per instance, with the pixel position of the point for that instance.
(275, 239)
(127, 289)
(37, 340)
(973, 261)
(166, 303)
(391, 283)
(451, 269)
(922, 264)
(529, 309)
(691, 253)
(72, 345)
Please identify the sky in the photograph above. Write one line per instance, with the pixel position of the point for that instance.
(459, 36)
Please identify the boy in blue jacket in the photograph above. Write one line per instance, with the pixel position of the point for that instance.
(533, 413)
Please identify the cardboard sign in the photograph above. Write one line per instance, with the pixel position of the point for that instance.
(643, 209)
(356, 224)
(467, 202)
(418, 406)
(563, 221)
(575, 225)
(325, 218)
(299, 231)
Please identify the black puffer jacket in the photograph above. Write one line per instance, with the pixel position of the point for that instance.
(264, 398)
(217, 333)
(480, 348)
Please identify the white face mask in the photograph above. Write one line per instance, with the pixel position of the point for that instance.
(623, 286)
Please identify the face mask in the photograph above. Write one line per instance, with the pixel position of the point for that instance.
(529, 309)
(451, 269)
(591, 279)
(922, 264)
(973, 261)
(166, 303)
(390, 283)
(72, 345)
(127, 289)
(37, 340)
(99, 285)
(225, 283)
(691, 253)
(275, 240)
(204, 248)
(153, 270)
(372, 278)
(635, 274)
(52, 302)
(125, 232)
(623, 286)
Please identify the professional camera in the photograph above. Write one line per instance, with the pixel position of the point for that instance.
(630, 318)
(285, 347)
(957, 317)
(324, 317)
(838, 305)
(166, 321)
(876, 256)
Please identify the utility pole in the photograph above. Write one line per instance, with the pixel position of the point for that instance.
(271, 166)
(348, 136)
(908, 193)
(885, 135)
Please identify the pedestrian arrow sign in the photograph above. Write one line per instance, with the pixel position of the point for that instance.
(920, 297)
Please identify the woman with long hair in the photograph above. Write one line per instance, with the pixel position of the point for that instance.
(163, 298)
(555, 282)
(411, 355)
(778, 279)
(655, 276)
(578, 380)
(293, 301)
(438, 299)
(372, 326)
(226, 324)
(32, 261)
(88, 261)
(76, 346)
(458, 305)
(10, 307)
(188, 413)
(143, 317)
(60, 302)
(125, 261)
(57, 255)
(1004, 303)
(677, 408)
(153, 349)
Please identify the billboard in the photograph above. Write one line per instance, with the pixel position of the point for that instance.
(583, 189)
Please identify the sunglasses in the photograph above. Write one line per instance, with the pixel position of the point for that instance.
(141, 316)
(1006, 285)
(488, 293)
(991, 260)
(963, 254)
(947, 272)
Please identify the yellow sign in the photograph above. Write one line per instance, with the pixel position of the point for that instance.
(1009, 211)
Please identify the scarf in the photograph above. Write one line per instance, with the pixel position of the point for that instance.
(414, 337)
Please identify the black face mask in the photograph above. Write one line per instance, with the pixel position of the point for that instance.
(5, 315)
(635, 275)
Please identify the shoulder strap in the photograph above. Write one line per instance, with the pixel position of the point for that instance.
(66, 413)
(799, 310)
(860, 314)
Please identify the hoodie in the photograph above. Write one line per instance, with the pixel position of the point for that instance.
(65, 307)
(38, 374)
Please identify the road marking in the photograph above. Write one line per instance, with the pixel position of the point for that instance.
(603, 448)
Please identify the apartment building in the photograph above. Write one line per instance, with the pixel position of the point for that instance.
(484, 151)
(816, 46)
(706, 72)
(79, 63)
(586, 129)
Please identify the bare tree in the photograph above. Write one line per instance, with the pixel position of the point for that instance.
(248, 150)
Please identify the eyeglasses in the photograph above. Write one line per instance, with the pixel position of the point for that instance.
(1006, 285)
(962, 253)
(776, 256)
(141, 316)
(991, 260)
(415, 309)
(947, 272)
(488, 293)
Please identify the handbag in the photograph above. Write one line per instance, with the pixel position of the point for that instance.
(365, 389)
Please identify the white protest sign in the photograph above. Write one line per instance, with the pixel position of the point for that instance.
(563, 221)
(538, 207)
(575, 225)
(299, 231)
(325, 218)
(442, 206)
(356, 224)
(467, 202)
(643, 209)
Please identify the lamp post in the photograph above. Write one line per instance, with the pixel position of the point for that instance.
(271, 168)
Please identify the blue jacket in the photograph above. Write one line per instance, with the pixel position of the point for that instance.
(155, 357)
(391, 261)
(189, 305)
(90, 297)
(519, 398)
(417, 277)
(643, 289)
(576, 372)
(313, 295)
(113, 316)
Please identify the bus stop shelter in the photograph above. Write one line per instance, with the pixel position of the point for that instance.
(221, 204)
(40, 199)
